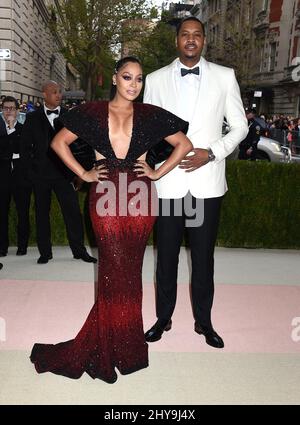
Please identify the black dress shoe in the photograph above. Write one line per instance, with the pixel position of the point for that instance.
(21, 251)
(211, 336)
(3, 253)
(155, 333)
(44, 259)
(1, 265)
(85, 257)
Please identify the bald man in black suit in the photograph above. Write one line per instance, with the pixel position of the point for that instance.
(48, 174)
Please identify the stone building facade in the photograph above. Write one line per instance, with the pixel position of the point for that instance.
(35, 52)
(277, 35)
(271, 30)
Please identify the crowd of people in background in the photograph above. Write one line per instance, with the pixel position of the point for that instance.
(29, 106)
(280, 122)
(285, 129)
(282, 128)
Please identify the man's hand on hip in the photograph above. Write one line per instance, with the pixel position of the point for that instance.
(193, 162)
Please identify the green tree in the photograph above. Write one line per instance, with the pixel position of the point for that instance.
(91, 31)
(157, 47)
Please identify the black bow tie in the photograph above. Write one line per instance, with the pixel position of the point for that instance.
(55, 111)
(185, 71)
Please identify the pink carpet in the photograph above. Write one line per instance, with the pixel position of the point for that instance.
(250, 318)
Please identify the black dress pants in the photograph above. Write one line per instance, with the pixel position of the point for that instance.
(5, 196)
(69, 204)
(22, 197)
(202, 239)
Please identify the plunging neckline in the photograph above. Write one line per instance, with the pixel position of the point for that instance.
(131, 136)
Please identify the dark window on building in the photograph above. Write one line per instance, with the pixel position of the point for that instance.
(52, 67)
(272, 56)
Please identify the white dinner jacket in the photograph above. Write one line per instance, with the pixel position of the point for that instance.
(218, 97)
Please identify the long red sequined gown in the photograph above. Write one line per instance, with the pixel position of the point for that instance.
(112, 336)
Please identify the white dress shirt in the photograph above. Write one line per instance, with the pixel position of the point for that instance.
(10, 131)
(51, 117)
(188, 90)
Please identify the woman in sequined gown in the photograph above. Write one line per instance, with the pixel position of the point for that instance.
(120, 133)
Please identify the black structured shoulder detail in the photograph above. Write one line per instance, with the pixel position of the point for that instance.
(159, 124)
(85, 121)
(151, 125)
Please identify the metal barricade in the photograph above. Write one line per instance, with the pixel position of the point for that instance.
(287, 138)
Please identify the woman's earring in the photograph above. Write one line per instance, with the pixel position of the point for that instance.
(114, 83)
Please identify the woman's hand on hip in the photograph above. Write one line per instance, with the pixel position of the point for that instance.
(144, 170)
(96, 174)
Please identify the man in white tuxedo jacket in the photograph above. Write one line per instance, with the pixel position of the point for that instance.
(201, 93)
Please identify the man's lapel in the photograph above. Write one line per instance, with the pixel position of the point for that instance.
(47, 131)
(19, 127)
(205, 99)
(57, 123)
(44, 120)
(170, 89)
(202, 101)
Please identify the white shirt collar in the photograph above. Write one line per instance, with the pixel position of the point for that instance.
(181, 65)
(48, 109)
(15, 123)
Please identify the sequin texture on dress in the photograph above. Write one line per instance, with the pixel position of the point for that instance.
(113, 336)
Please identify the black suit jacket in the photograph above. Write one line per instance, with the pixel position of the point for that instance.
(9, 143)
(19, 173)
(16, 138)
(36, 153)
(2, 126)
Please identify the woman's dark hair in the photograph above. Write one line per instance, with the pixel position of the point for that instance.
(189, 18)
(118, 66)
(10, 99)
